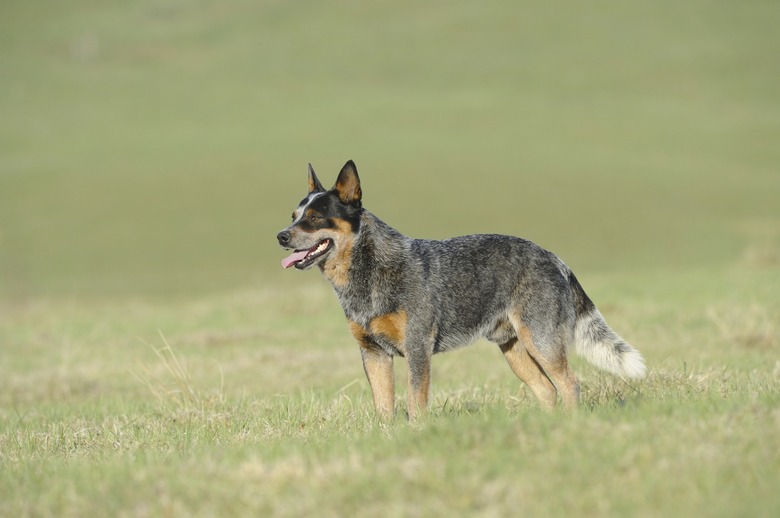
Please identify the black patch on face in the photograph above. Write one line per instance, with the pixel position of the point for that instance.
(324, 212)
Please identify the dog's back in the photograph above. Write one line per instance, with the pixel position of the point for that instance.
(472, 282)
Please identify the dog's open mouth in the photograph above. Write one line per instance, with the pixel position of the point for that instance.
(302, 259)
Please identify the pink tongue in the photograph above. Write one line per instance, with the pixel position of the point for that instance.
(293, 258)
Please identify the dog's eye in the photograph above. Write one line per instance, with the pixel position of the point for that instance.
(293, 216)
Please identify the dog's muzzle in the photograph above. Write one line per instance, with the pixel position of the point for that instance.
(284, 237)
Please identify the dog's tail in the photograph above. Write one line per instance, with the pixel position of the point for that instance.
(595, 341)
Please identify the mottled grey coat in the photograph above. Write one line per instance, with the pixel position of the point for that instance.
(415, 298)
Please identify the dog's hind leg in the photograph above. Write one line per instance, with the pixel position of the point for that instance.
(565, 381)
(526, 368)
(550, 356)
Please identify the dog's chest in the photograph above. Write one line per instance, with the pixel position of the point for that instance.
(375, 323)
(387, 331)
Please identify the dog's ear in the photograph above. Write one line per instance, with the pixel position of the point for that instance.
(314, 182)
(348, 185)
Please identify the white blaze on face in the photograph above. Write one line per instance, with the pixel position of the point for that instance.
(301, 210)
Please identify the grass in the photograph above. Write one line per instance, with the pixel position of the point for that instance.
(244, 406)
(155, 360)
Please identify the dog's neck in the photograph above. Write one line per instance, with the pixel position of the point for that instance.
(377, 256)
(378, 243)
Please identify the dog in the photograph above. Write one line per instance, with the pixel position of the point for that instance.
(415, 298)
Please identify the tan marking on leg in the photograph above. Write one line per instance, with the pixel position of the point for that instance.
(378, 366)
(419, 386)
(570, 386)
(418, 393)
(556, 366)
(529, 372)
(379, 371)
(393, 327)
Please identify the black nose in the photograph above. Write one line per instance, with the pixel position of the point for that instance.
(283, 237)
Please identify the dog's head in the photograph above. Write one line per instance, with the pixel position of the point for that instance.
(324, 224)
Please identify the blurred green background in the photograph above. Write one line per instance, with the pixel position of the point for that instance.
(154, 148)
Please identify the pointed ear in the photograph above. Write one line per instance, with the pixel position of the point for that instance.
(314, 182)
(348, 185)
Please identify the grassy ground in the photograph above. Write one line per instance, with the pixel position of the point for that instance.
(244, 405)
(155, 360)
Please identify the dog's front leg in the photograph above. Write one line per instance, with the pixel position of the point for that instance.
(419, 382)
(379, 371)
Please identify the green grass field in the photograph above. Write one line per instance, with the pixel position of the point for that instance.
(155, 360)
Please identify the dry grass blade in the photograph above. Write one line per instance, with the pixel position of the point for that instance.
(177, 390)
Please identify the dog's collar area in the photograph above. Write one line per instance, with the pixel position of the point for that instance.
(302, 259)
